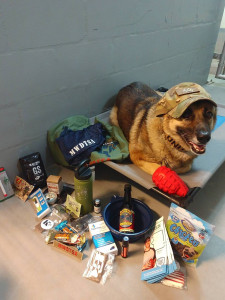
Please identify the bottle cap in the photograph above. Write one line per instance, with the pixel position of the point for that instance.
(82, 171)
(97, 201)
(126, 241)
(127, 186)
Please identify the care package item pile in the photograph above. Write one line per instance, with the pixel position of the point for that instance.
(188, 233)
(158, 259)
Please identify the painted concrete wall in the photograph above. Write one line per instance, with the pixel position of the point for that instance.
(222, 25)
(61, 58)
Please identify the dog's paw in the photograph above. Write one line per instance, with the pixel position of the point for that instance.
(168, 181)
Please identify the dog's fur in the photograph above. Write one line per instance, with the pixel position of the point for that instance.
(163, 140)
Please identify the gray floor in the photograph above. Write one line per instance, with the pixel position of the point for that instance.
(29, 269)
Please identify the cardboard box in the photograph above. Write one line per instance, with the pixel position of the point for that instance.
(71, 250)
(102, 238)
(40, 203)
(55, 184)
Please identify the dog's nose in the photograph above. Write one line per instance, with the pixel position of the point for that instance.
(203, 136)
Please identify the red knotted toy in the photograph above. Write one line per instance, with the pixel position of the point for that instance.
(168, 181)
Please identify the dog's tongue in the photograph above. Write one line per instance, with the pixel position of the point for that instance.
(198, 149)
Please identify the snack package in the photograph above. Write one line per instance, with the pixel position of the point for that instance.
(74, 239)
(188, 233)
(22, 188)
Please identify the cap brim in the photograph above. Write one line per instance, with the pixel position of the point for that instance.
(177, 111)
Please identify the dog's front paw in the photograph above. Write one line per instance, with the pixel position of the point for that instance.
(168, 181)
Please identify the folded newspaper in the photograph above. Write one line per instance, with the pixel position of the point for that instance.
(158, 259)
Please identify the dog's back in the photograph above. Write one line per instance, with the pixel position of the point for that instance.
(130, 100)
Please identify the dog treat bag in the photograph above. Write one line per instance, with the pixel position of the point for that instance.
(188, 233)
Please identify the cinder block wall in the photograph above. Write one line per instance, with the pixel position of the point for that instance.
(61, 58)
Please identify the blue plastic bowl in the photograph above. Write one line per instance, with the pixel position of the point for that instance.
(143, 219)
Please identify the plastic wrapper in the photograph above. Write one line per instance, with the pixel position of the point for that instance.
(67, 238)
(60, 211)
(80, 225)
(48, 222)
(188, 234)
(108, 268)
(99, 267)
(177, 279)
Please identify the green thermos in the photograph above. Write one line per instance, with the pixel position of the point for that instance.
(83, 186)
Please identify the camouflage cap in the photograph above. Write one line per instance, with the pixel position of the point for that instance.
(177, 99)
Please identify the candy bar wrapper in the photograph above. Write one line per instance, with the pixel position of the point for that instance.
(68, 238)
(188, 233)
(158, 259)
(22, 188)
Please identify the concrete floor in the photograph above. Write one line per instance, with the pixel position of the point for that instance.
(30, 269)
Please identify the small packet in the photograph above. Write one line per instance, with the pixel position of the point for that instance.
(73, 206)
(188, 234)
(22, 188)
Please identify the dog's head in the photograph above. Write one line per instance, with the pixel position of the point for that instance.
(189, 116)
(189, 253)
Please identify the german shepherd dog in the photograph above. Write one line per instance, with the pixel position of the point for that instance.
(155, 136)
